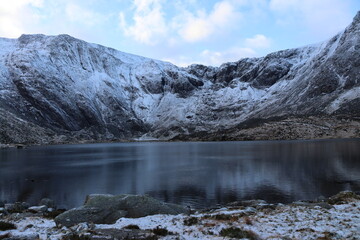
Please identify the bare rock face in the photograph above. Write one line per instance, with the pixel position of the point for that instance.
(57, 89)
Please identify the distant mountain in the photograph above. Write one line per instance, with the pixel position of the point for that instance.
(56, 89)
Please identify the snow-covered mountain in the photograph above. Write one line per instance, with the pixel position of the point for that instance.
(59, 89)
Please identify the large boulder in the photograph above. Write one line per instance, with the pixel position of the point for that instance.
(88, 214)
(106, 209)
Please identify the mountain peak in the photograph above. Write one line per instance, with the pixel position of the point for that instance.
(27, 38)
(356, 20)
(357, 17)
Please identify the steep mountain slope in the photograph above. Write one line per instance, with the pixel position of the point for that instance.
(59, 89)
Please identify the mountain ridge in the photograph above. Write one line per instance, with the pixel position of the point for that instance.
(56, 89)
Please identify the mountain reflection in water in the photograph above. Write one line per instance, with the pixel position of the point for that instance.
(200, 174)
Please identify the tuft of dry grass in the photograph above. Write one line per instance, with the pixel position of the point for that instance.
(248, 221)
(161, 231)
(191, 221)
(234, 232)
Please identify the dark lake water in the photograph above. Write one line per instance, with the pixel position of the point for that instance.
(200, 174)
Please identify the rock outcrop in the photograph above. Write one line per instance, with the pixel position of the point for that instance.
(106, 209)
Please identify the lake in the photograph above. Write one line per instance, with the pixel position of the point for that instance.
(199, 174)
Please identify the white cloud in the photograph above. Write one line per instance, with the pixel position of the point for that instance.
(15, 14)
(200, 26)
(323, 17)
(181, 61)
(149, 22)
(13, 6)
(216, 58)
(149, 25)
(258, 41)
(213, 58)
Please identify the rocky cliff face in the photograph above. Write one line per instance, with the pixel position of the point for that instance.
(58, 89)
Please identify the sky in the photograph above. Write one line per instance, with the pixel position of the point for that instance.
(183, 32)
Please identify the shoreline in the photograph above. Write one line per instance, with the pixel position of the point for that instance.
(25, 145)
(290, 127)
(336, 217)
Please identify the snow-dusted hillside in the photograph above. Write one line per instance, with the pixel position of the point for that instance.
(58, 89)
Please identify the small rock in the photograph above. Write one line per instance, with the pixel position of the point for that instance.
(2, 210)
(265, 206)
(9, 206)
(2, 204)
(47, 202)
(321, 199)
(16, 207)
(42, 208)
(29, 226)
(250, 210)
(25, 205)
(82, 227)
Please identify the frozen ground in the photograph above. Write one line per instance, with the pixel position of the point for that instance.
(339, 219)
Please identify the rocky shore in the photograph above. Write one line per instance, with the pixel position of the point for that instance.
(143, 217)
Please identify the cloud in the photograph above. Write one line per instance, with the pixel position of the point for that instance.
(200, 26)
(181, 61)
(15, 14)
(258, 41)
(212, 58)
(216, 58)
(322, 17)
(149, 22)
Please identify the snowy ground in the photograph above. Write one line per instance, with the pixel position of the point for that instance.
(285, 222)
(294, 221)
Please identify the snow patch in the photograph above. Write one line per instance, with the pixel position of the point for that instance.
(344, 97)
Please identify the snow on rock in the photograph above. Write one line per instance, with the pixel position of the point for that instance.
(34, 227)
(83, 91)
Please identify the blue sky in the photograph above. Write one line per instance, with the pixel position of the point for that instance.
(183, 31)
